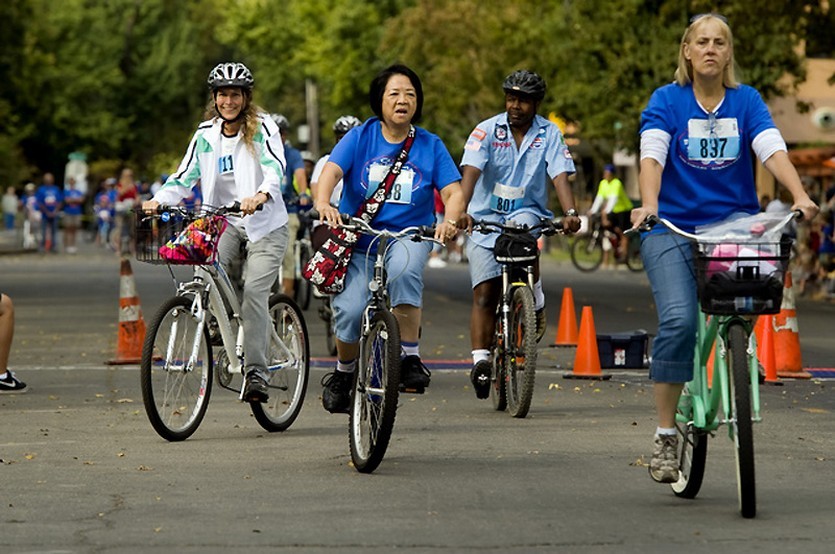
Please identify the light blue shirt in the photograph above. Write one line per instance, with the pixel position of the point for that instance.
(513, 181)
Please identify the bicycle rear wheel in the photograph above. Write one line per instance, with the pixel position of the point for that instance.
(692, 456)
(176, 370)
(586, 253)
(376, 389)
(520, 352)
(288, 363)
(326, 313)
(634, 261)
(739, 380)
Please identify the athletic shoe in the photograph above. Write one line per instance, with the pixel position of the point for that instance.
(480, 378)
(414, 376)
(256, 389)
(336, 396)
(541, 322)
(436, 262)
(10, 383)
(664, 464)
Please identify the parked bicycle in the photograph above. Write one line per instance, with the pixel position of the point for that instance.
(514, 344)
(178, 363)
(588, 250)
(376, 386)
(739, 274)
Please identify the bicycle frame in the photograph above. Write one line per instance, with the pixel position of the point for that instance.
(706, 395)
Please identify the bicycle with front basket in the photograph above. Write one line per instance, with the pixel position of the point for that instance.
(178, 364)
(514, 340)
(376, 386)
(737, 277)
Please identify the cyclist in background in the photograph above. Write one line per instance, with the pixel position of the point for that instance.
(241, 159)
(697, 136)
(296, 197)
(614, 207)
(341, 126)
(508, 159)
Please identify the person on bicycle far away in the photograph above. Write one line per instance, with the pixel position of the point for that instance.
(508, 161)
(614, 207)
(238, 155)
(697, 136)
(341, 126)
(362, 159)
(296, 196)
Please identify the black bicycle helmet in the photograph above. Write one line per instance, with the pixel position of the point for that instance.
(231, 74)
(525, 82)
(345, 124)
(282, 122)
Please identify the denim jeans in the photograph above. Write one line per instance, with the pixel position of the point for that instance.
(263, 259)
(668, 261)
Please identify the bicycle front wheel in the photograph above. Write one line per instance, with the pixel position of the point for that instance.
(288, 363)
(586, 253)
(374, 402)
(176, 370)
(692, 456)
(520, 353)
(739, 380)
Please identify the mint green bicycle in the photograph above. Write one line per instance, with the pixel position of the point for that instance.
(739, 271)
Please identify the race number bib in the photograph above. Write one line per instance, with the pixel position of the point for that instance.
(224, 165)
(505, 199)
(713, 140)
(401, 189)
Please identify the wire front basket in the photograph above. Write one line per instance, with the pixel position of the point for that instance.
(741, 277)
(178, 237)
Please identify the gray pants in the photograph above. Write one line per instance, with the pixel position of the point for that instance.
(263, 259)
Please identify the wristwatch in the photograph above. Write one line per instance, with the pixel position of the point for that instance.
(571, 213)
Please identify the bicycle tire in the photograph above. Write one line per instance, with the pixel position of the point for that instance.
(498, 393)
(287, 385)
(739, 381)
(326, 313)
(303, 287)
(634, 261)
(692, 458)
(375, 392)
(175, 397)
(586, 253)
(520, 352)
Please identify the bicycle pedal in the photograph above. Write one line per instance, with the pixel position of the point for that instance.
(412, 390)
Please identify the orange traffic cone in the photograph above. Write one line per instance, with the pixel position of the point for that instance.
(567, 328)
(786, 336)
(131, 324)
(765, 351)
(587, 358)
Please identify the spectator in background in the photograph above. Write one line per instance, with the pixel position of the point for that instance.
(127, 198)
(73, 208)
(50, 202)
(10, 206)
(32, 217)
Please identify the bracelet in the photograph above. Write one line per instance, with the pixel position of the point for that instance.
(451, 222)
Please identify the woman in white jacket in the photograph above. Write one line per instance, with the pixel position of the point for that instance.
(238, 154)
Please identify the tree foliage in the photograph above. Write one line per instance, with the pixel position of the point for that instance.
(124, 80)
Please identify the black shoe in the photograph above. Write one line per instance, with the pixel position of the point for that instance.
(480, 378)
(256, 389)
(414, 376)
(12, 384)
(336, 396)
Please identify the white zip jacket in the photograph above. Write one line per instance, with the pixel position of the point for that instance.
(264, 174)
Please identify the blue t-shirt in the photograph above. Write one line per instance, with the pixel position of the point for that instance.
(49, 200)
(709, 171)
(294, 161)
(73, 208)
(365, 158)
(513, 181)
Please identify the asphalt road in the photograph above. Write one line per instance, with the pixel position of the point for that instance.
(83, 471)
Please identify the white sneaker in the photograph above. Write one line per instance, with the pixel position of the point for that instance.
(663, 467)
(436, 262)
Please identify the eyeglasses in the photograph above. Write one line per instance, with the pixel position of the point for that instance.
(718, 16)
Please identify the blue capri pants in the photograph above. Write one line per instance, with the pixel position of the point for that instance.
(405, 261)
(668, 261)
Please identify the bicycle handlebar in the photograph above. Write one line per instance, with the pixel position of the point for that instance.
(548, 226)
(654, 220)
(233, 208)
(417, 232)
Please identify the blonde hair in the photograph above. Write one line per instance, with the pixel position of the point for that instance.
(250, 123)
(684, 72)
